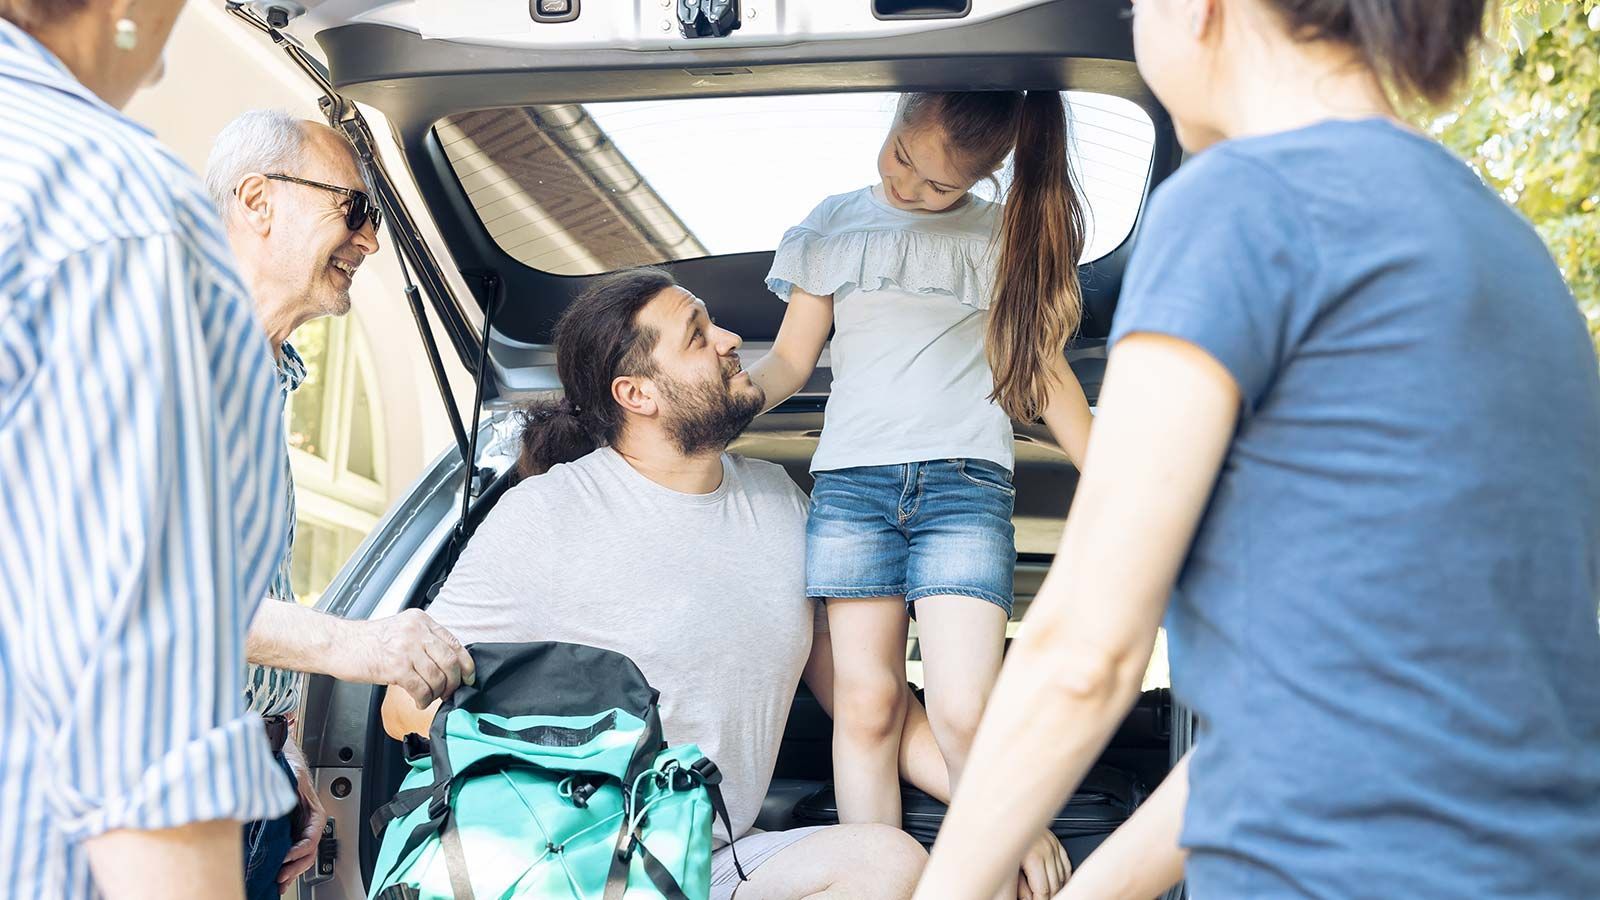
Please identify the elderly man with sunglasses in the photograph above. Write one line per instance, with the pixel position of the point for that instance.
(300, 219)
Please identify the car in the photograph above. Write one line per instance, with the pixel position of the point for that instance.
(522, 148)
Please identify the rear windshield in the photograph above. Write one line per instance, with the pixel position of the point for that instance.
(582, 189)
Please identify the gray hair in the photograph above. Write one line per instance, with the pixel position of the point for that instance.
(261, 140)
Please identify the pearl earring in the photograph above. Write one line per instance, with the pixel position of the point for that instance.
(127, 36)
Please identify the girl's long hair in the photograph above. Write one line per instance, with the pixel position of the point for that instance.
(1036, 303)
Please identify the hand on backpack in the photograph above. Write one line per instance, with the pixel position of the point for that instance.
(413, 652)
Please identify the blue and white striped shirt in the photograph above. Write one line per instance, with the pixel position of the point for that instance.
(141, 488)
(269, 691)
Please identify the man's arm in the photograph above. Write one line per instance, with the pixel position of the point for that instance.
(410, 650)
(1167, 415)
(402, 715)
(200, 861)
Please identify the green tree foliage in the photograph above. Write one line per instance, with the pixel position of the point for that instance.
(1529, 122)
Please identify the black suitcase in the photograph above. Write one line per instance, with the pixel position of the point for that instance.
(1104, 801)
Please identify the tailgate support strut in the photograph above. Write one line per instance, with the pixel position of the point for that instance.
(411, 250)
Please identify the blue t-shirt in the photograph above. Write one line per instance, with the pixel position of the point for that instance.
(1387, 621)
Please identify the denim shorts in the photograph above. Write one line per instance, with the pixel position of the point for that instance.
(916, 530)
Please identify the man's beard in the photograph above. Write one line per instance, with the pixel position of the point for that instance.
(708, 415)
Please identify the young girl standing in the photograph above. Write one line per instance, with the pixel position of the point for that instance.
(952, 316)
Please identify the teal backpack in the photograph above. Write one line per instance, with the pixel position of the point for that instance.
(550, 778)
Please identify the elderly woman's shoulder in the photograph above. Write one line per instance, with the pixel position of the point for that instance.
(139, 187)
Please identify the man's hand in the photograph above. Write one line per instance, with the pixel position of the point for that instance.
(1045, 869)
(411, 651)
(303, 852)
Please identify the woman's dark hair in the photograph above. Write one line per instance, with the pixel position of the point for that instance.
(1418, 47)
(1036, 302)
(598, 339)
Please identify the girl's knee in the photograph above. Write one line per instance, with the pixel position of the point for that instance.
(869, 708)
(955, 716)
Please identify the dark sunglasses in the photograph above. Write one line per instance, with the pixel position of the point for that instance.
(356, 215)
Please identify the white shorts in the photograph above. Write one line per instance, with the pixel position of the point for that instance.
(754, 849)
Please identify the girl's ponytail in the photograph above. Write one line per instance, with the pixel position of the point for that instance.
(1037, 302)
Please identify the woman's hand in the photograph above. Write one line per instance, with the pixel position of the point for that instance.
(303, 852)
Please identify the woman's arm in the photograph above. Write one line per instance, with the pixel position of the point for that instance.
(198, 861)
(1166, 419)
(1142, 858)
(1066, 412)
(794, 354)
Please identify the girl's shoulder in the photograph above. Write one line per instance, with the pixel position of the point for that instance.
(856, 240)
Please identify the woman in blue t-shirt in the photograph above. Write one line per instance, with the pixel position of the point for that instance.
(1351, 427)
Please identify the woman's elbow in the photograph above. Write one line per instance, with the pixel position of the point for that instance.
(1082, 672)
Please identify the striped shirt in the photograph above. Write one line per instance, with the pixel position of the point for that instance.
(141, 513)
(269, 691)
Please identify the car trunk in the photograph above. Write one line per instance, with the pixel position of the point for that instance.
(1137, 758)
(539, 103)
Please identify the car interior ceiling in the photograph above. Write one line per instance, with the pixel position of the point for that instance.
(1066, 44)
(1063, 45)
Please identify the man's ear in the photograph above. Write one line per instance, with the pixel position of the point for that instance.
(635, 395)
(254, 196)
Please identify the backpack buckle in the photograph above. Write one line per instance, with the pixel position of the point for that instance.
(625, 852)
(439, 803)
(415, 747)
(707, 770)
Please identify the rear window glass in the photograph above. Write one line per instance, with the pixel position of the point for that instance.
(579, 189)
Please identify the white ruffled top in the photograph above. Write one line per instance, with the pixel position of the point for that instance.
(910, 292)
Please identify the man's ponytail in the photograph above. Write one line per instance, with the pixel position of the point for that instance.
(552, 433)
(598, 339)
(1037, 303)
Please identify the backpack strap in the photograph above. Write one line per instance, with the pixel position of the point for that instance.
(659, 876)
(455, 859)
(404, 804)
(711, 777)
(649, 744)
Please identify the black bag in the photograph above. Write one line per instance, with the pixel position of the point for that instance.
(1104, 801)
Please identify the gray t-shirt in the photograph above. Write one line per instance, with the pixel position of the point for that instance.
(1387, 619)
(704, 592)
